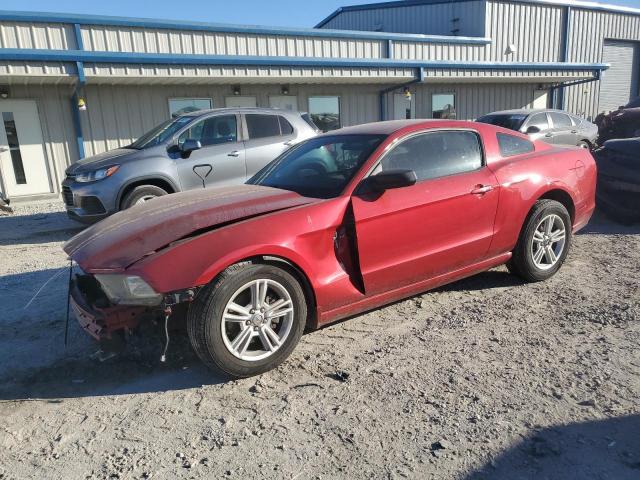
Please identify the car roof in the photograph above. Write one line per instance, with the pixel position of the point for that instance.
(526, 111)
(389, 127)
(209, 111)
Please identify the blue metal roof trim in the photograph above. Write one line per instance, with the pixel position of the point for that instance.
(48, 17)
(173, 59)
(408, 3)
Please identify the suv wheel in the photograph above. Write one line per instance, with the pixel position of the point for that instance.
(141, 194)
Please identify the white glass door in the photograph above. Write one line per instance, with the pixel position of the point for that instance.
(22, 160)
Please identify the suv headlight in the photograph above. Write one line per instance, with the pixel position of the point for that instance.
(96, 174)
(128, 290)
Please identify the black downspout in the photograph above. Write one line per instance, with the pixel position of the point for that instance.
(564, 55)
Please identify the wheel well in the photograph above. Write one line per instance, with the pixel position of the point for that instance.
(564, 198)
(298, 273)
(156, 182)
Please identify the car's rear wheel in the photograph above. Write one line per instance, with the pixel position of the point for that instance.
(544, 242)
(248, 320)
(141, 194)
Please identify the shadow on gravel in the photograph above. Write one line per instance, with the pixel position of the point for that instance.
(37, 228)
(598, 450)
(484, 281)
(132, 372)
(600, 224)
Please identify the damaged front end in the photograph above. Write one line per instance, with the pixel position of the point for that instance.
(108, 306)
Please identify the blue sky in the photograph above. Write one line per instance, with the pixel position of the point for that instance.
(294, 13)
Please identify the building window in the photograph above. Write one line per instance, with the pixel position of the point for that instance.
(325, 112)
(443, 105)
(179, 106)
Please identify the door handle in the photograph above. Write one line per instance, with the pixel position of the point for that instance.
(549, 135)
(481, 189)
(574, 131)
(235, 153)
(288, 143)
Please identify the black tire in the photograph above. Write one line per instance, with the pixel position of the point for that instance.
(204, 320)
(521, 262)
(140, 192)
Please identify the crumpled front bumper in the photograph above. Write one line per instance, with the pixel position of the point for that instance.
(95, 315)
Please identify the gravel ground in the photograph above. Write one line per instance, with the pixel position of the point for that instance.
(485, 378)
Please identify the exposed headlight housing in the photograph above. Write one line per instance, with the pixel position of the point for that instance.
(128, 290)
(96, 175)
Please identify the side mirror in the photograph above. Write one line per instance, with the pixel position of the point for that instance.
(189, 145)
(532, 129)
(387, 180)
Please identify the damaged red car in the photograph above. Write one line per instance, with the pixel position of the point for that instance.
(339, 224)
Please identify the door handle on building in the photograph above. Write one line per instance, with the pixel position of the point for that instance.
(481, 189)
(235, 153)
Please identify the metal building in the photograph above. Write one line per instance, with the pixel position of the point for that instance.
(75, 85)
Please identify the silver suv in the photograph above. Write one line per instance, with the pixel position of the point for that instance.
(200, 149)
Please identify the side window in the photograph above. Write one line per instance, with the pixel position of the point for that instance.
(560, 120)
(262, 126)
(213, 131)
(511, 145)
(436, 154)
(285, 126)
(539, 120)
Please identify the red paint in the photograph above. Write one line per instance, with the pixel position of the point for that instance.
(408, 240)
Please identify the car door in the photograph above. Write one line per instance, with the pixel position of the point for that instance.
(562, 130)
(267, 136)
(442, 223)
(220, 161)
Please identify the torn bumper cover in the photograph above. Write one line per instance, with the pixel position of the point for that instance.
(95, 313)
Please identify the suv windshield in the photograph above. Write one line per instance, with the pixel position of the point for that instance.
(511, 121)
(320, 167)
(161, 133)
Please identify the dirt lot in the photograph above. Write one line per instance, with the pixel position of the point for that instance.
(486, 378)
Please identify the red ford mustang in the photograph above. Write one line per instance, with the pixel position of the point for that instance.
(339, 224)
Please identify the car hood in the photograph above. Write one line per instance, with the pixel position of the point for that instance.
(101, 160)
(124, 238)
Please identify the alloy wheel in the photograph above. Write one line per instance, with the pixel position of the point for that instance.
(548, 242)
(257, 319)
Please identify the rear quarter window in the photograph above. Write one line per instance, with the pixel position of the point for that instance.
(510, 145)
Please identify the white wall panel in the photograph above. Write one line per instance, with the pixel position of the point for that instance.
(54, 36)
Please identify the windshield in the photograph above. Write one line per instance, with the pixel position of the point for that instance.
(510, 121)
(161, 133)
(320, 167)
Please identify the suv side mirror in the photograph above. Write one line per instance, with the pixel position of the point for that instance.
(532, 129)
(189, 145)
(387, 180)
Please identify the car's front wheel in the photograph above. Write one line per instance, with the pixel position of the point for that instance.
(544, 242)
(248, 320)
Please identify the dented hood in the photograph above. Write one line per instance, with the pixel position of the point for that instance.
(126, 237)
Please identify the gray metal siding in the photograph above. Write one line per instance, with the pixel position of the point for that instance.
(138, 40)
(425, 19)
(54, 36)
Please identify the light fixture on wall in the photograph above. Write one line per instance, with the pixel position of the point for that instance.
(236, 90)
(285, 90)
(82, 105)
(407, 93)
(4, 91)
